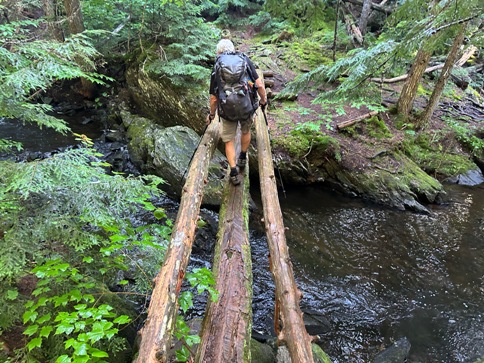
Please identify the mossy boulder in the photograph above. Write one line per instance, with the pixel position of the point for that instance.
(167, 151)
(158, 99)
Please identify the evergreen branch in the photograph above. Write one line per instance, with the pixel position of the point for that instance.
(431, 32)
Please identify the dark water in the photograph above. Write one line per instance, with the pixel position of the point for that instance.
(374, 275)
(35, 139)
(378, 275)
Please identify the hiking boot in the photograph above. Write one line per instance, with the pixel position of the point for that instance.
(234, 177)
(242, 161)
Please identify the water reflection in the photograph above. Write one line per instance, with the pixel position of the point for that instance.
(378, 275)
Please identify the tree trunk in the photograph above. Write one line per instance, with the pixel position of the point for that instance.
(365, 13)
(52, 24)
(156, 335)
(424, 120)
(409, 90)
(74, 16)
(76, 26)
(293, 332)
(226, 330)
(335, 35)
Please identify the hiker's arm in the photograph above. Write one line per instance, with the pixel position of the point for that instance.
(213, 108)
(261, 90)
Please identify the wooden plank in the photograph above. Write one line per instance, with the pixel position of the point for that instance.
(156, 334)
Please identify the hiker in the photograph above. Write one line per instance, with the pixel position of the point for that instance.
(234, 86)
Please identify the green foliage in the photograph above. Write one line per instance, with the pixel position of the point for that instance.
(202, 280)
(303, 14)
(235, 13)
(62, 199)
(76, 317)
(72, 221)
(412, 24)
(467, 136)
(434, 155)
(28, 67)
(376, 128)
(172, 37)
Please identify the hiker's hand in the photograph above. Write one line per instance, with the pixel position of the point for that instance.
(263, 105)
(209, 119)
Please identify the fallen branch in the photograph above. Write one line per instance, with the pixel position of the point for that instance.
(465, 57)
(405, 76)
(469, 52)
(347, 123)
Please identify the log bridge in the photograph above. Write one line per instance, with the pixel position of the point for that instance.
(226, 329)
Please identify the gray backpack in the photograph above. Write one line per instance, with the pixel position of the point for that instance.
(237, 93)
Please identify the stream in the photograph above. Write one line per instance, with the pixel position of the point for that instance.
(376, 275)
(370, 275)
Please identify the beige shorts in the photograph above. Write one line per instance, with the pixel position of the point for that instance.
(229, 128)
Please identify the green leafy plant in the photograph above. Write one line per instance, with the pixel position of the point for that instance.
(76, 317)
(202, 280)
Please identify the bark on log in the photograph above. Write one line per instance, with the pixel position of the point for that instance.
(226, 330)
(351, 26)
(268, 73)
(469, 52)
(365, 13)
(403, 77)
(293, 332)
(156, 335)
(347, 123)
(269, 83)
(376, 7)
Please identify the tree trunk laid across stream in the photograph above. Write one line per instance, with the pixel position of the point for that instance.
(293, 332)
(156, 334)
(226, 331)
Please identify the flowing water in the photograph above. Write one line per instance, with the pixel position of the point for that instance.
(371, 275)
(375, 275)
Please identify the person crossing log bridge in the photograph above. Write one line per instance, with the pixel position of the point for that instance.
(231, 342)
(226, 329)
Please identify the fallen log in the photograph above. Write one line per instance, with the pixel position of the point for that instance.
(268, 73)
(226, 330)
(463, 59)
(468, 53)
(293, 333)
(405, 76)
(374, 6)
(269, 83)
(351, 26)
(156, 334)
(346, 123)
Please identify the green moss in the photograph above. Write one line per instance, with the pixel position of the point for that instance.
(429, 153)
(421, 91)
(307, 139)
(376, 128)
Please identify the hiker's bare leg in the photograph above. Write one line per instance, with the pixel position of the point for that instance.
(245, 142)
(230, 152)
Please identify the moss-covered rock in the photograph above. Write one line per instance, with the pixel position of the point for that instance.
(167, 105)
(261, 353)
(166, 152)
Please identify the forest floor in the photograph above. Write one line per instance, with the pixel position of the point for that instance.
(284, 117)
